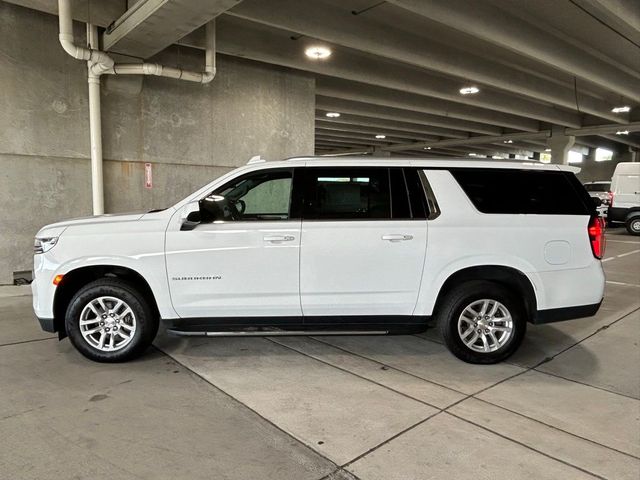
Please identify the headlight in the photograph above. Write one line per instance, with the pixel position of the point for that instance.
(41, 245)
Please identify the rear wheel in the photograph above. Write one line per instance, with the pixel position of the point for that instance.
(108, 320)
(482, 322)
(633, 225)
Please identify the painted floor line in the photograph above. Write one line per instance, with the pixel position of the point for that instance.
(621, 255)
(622, 283)
(622, 241)
(628, 253)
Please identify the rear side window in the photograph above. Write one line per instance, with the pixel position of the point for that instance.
(347, 193)
(510, 191)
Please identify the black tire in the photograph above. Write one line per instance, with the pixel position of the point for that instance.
(633, 225)
(455, 302)
(146, 320)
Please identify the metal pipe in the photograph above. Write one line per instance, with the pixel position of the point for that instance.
(65, 22)
(98, 63)
(95, 129)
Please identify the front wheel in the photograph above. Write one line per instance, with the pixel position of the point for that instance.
(633, 225)
(482, 322)
(108, 320)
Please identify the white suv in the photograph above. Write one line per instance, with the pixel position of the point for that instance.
(332, 246)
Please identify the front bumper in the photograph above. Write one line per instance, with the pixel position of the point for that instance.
(565, 313)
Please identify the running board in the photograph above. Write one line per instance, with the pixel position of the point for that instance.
(273, 333)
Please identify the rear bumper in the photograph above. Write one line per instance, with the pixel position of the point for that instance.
(617, 214)
(47, 324)
(566, 313)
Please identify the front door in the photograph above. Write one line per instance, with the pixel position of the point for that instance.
(362, 250)
(242, 259)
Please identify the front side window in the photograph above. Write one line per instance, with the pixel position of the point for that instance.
(263, 195)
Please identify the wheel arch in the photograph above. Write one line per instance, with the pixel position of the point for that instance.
(508, 277)
(633, 212)
(75, 279)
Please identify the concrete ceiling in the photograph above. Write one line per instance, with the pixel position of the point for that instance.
(397, 66)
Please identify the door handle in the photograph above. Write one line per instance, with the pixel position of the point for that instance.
(279, 238)
(393, 237)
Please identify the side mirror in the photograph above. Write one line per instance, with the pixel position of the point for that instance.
(190, 216)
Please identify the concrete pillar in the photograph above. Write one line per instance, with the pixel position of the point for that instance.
(377, 152)
(560, 144)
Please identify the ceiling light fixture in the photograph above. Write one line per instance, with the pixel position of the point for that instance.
(508, 141)
(332, 114)
(624, 109)
(622, 132)
(427, 148)
(317, 52)
(547, 149)
(472, 154)
(380, 137)
(469, 90)
(497, 157)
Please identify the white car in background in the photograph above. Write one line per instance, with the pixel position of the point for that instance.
(332, 246)
(625, 201)
(602, 191)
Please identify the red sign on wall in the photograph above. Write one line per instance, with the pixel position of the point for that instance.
(148, 176)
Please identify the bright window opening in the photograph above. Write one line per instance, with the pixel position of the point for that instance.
(574, 157)
(603, 155)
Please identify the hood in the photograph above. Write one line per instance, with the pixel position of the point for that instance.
(57, 228)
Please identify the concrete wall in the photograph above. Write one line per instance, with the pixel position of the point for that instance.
(190, 133)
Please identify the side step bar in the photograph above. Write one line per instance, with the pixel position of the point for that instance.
(272, 333)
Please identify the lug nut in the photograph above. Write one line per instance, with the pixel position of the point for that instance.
(104, 316)
(102, 324)
(491, 324)
(486, 331)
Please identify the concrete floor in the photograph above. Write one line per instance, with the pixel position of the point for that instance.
(567, 405)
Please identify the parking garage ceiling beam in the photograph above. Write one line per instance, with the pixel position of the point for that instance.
(396, 125)
(99, 13)
(254, 41)
(345, 127)
(320, 132)
(485, 139)
(338, 26)
(365, 99)
(620, 15)
(603, 129)
(630, 141)
(150, 26)
(487, 22)
(394, 113)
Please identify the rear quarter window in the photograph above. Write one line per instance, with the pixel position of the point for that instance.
(510, 191)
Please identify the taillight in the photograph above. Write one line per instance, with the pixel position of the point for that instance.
(611, 199)
(596, 236)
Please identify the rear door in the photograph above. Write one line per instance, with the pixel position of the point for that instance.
(363, 243)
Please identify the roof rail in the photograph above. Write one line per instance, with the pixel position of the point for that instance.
(255, 159)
